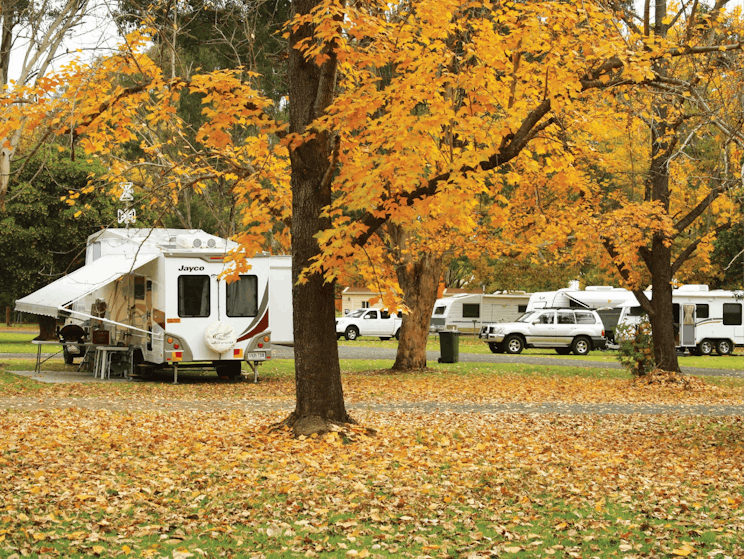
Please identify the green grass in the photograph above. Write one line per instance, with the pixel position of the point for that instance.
(471, 344)
(543, 528)
(19, 343)
(285, 368)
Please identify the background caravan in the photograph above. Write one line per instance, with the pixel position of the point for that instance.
(467, 313)
(705, 321)
(159, 293)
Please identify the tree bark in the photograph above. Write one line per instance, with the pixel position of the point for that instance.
(47, 329)
(317, 370)
(661, 318)
(659, 258)
(419, 281)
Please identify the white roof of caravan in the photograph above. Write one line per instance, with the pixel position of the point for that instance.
(122, 240)
(57, 295)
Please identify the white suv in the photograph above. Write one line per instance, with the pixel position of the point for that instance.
(566, 330)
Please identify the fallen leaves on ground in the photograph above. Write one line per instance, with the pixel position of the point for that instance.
(478, 386)
(194, 484)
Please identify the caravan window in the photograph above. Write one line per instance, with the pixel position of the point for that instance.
(139, 288)
(702, 311)
(95, 252)
(471, 310)
(732, 314)
(440, 310)
(242, 297)
(193, 296)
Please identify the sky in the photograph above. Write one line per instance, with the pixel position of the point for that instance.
(96, 36)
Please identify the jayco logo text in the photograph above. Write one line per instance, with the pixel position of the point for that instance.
(191, 268)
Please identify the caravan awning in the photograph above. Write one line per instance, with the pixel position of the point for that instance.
(49, 300)
(582, 304)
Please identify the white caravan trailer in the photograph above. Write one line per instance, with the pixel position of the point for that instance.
(705, 321)
(467, 313)
(159, 293)
(606, 300)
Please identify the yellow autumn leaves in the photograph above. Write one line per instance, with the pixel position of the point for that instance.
(472, 124)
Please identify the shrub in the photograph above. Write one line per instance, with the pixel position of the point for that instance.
(635, 351)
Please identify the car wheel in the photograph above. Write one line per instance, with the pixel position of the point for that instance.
(496, 347)
(705, 347)
(563, 350)
(351, 333)
(398, 334)
(724, 347)
(581, 346)
(513, 344)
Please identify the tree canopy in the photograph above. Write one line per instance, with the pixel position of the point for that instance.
(440, 116)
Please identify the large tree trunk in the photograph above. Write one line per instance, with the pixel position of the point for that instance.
(47, 329)
(419, 281)
(319, 395)
(661, 317)
(659, 258)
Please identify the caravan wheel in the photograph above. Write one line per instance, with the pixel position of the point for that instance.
(724, 347)
(705, 347)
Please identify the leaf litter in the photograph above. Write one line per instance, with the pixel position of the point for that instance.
(182, 483)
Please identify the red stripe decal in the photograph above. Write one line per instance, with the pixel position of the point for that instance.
(260, 327)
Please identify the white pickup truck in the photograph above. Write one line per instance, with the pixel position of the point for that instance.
(368, 322)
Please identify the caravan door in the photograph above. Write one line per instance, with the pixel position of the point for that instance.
(688, 325)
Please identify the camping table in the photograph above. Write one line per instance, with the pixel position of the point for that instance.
(102, 361)
(39, 343)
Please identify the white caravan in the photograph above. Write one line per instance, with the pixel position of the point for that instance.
(160, 293)
(705, 321)
(467, 313)
(606, 300)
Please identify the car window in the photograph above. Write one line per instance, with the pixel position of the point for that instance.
(565, 318)
(371, 315)
(585, 318)
(545, 318)
(527, 317)
(384, 314)
(356, 314)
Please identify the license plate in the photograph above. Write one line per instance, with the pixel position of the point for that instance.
(256, 355)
